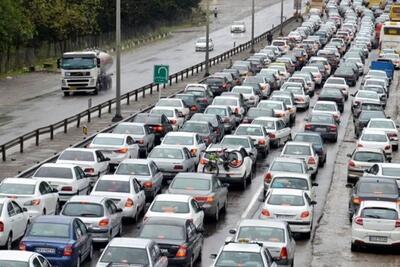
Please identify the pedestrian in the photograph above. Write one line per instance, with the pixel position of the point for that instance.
(215, 12)
(269, 38)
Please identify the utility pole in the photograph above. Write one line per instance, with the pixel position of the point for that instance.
(207, 60)
(281, 32)
(118, 117)
(252, 27)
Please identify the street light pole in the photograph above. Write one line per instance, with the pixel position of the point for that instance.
(118, 117)
(252, 27)
(207, 59)
(281, 32)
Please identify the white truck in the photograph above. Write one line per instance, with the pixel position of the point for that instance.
(86, 71)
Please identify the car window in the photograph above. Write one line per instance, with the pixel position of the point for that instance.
(195, 205)
(42, 188)
(136, 186)
(10, 209)
(43, 261)
(100, 156)
(374, 169)
(82, 227)
(17, 208)
(129, 140)
(77, 173)
(111, 207)
(78, 231)
(36, 263)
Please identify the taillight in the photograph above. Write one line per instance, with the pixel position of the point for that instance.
(22, 246)
(193, 108)
(351, 163)
(272, 136)
(358, 220)
(203, 161)
(104, 223)
(68, 251)
(261, 142)
(178, 167)
(356, 200)
(225, 85)
(89, 170)
(181, 251)
(332, 128)
(193, 151)
(148, 185)
(359, 145)
(1, 227)
(122, 150)
(207, 199)
(158, 129)
(265, 213)
(304, 214)
(397, 224)
(34, 202)
(172, 121)
(391, 135)
(283, 255)
(66, 188)
(311, 160)
(307, 126)
(129, 203)
(268, 177)
(237, 110)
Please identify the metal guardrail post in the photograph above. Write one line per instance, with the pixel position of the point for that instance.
(151, 89)
(136, 95)
(3, 152)
(78, 121)
(144, 92)
(51, 132)
(99, 111)
(158, 87)
(21, 144)
(109, 106)
(65, 126)
(88, 116)
(128, 99)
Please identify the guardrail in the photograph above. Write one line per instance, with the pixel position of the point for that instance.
(98, 109)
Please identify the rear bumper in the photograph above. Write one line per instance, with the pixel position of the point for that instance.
(300, 227)
(362, 237)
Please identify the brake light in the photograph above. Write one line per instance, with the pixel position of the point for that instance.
(225, 85)
(265, 213)
(304, 214)
(261, 142)
(359, 145)
(104, 223)
(193, 108)
(1, 227)
(397, 224)
(307, 126)
(207, 199)
(148, 185)
(358, 220)
(172, 121)
(68, 251)
(22, 246)
(311, 160)
(283, 255)
(272, 136)
(268, 177)
(356, 200)
(158, 129)
(351, 163)
(66, 188)
(181, 251)
(122, 150)
(178, 167)
(89, 170)
(141, 141)
(392, 135)
(332, 128)
(129, 203)
(237, 110)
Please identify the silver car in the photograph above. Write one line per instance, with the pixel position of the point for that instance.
(101, 216)
(226, 114)
(243, 141)
(259, 136)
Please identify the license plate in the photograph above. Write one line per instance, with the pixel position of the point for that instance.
(46, 250)
(378, 239)
(319, 129)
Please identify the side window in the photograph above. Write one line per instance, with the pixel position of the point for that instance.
(129, 140)
(36, 263)
(195, 205)
(374, 169)
(10, 209)
(113, 206)
(215, 183)
(154, 168)
(17, 208)
(109, 207)
(48, 187)
(187, 153)
(42, 188)
(135, 186)
(307, 198)
(78, 231)
(78, 173)
(82, 227)
(100, 157)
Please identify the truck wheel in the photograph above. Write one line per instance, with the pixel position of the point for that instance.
(66, 93)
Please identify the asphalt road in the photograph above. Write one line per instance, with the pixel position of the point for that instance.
(35, 100)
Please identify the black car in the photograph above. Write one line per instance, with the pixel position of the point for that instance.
(191, 101)
(257, 112)
(362, 120)
(215, 120)
(324, 124)
(217, 84)
(318, 144)
(157, 123)
(236, 75)
(372, 188)
(348, 74)
(178, 239)
(332, 94)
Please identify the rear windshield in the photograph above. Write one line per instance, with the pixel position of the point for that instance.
(112, 186)
(297, 150)
(269, 125)
(324, 107)
(270, 105)
(191, 184)
(263, 234)
(379, 213)
(80, 209)
(391, 172)
(322, 119)
(254, 113)
(54, 172)
(147, 119)
(17, 189)
(160, 231)
(286, 200)
(132, 169)
(374, 137)
(108, 141)
(225, 102)
(55, 230)
(169, 103)
(194, 127)
(170, 207)
(178, 140)
(217, 111)
(166, 112)
(289, 182)
(244, 130)
(368, 157)
(77, 156)
(128, 129)
(126, 256)
(381, 124)
(309, 138)
(281, 166)
(378, 188)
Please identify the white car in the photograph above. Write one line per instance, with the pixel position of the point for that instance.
(386, 170)
(276, 128)
(289, 102)
(125, 191)
(372, 138)
(68, 179)
(280, 109)
(389, 127)
(14, 258)
(250, 96)
(233, 103)
(314, 72)
(238, 27)
(290, 205)
(257, 133)
(174, 116)
(292, 180)
(233, 141)
(192, 141)
(201, 44)
(340, 83)
(13, 222)
(176, 206)
(116, 147)
(282, 45)
(375, 223)
(38, 197)
(92, 161)
(364, 96)
(326, 107)
(305, 151)
(176, 103)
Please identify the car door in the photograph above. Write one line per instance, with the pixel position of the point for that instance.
(280, 126)
(50, 197)
(19, 219)
(157, 176)
(114, 216)
(82, 181)
(198, 214)
(291, 243)
(43, 261)
(149, 135)
(194, 239)
(132, 147)
(189, 161)
(139, 194)
(82, 237)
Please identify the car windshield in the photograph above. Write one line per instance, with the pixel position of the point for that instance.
(55, 230)
(368, 156)
(191, 184)
(239, 258)
(379, 213)
(282, 166)
(322, 119)
(285, 100)
(133, 169)
(367, 94)
(112, 186)
(243, 90)
(390, 171)
(378, 188)
(248, 130)
(262, 234)
(162, 231)
(331, 93)
(126, 256)
(194, 127)
(270, 105)
(166, 153)
(128, 129)
(13, 263)
(269, 125)
(285, 200)
(78, 63)
(290, 182)
(367, 115)
(77, 156)
(374, 137)
(324, 107)
(166, 112)
(235, 142)
(297, 150)
(178, 140)
(109, 141)
(215, 81)
(196, 93)
(217, 111)
(309, 138)
(381, 124)
(54, 172)
(225, 102)
(169, 103)
(335, 81)
(170, 207)
(17, 189)
(82, 209)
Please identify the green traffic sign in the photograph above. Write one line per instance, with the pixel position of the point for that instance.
(161, 74)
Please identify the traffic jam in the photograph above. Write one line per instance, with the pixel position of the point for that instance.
(169, 173)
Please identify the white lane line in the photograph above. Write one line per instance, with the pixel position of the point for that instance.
(252, 202)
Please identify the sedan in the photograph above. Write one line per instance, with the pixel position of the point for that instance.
(251, 98)
(279, 108)
(206, 189)
(216, 122)
(326, 107)
(38, 197)
(375, 139)
(276, 128)
(233, 141)
(324, 124)
(225, 112)
(15, 258)
(201, 44)
(302, 150)
(192, 141)
(257, 133)
(175, 118)
(317, 142)
(362, 120)
(157, 123)
(254, 113)
(389, 127)
(290, 180)
(364, 96)
(203, 128)
(301, 99)
(232, 102)
(340, 83)
(332, 94)
(64, 241)
(191, 101)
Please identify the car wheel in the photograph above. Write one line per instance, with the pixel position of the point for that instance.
(244, 182)
(354, 247)
(120, 230)
(66, 93)
(225, 205)
(90, 255)
(250, 177)
(8, 245)
(137, 215)
(395, 147)
(216, 216)
(44, 211)
(307, 235)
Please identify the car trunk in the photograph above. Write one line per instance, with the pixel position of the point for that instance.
(379, 224)
(52, 247)
(169, 165)
(168, 246)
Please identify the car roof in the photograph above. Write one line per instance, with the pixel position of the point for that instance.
(115, 177)
(265, 223)
(286, 191)
(242, 247)
(196, 175)
(130, 242)
(379, 204)
(250, 125)
(58, 165)
(138, 161)
(89, 199)
(173, 197)
(20, 180)
(217, 106)
(16, 255)
(325, 102)
(296, 143)
(165, 108)
(111, 135)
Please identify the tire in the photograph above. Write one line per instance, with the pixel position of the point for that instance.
(238, 157)
(90, 255)
(216, 215)
(307, 235)
(244, 183)
(250, 178)
(8, 245)
(395, 147)
(225, 205)
(191, 263)
(66, 93)
(137, 215)
(57, 209)
(354, 247)
(44, 211)
(211, 167)
(120, 231)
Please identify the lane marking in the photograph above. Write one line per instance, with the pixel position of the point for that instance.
(252, 202)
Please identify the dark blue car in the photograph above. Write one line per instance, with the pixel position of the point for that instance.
(64, 241)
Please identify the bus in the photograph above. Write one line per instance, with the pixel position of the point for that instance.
(375, 4)
(394, 14)
(390, 36)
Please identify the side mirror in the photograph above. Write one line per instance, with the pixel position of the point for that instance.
(180, 114)
(397, 126)
(98, 62)
(314, 184)
(58, 63)
(313, 202)
(213, 256)
(232, 231)
(119, 210)
(24, 209)
(349, 155)
(349, 186)
(388, 117)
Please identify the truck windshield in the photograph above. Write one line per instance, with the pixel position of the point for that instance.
(78, 63)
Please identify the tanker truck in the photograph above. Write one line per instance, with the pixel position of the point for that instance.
(86, 71)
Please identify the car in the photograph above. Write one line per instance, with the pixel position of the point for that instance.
(389, 127)
(282, 45)
(250, 96)
(372, 188)
(68, 179)
(259, 83)
(367, 112)
(232, 141)
(291, 180)
(179, 239)
(243, 253)
(280, 109)
(201, 44)
(172, 159)
(238, 27)
(38, 197)
(289, 102)
(203, 128)
(176, 206)
(140, 132)
(176, 103)
(395, 58)
(379, 90)
(371, 138)
(125, 191)
(234, 103)
(301, 99)
(217, 84)
(92, 161)
(202, 93)
(326, 107)
(302, 150)
(316, 74)
(318, 144)
(236, 75)
(63, 241)
(276, 236)
(254, 113)
(132, 251)
(375, 224)
(192, 141)
(363, 96)
(332, 94)
(216, 122)
(206, 189)
(257, 133)
(291, 205)
(14, 220)
(15, 258)
(146, 172)
(175, 118)
(227, 115)
(381, 82)
(276, 128)
(324, 124)
(386, 170)
(116, 147)
(100, 215)
(191, 101)
(157, 123)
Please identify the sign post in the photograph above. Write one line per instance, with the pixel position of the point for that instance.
(160, 76)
